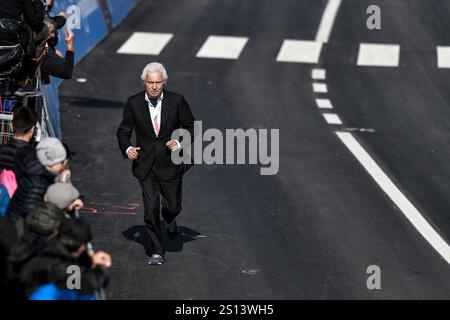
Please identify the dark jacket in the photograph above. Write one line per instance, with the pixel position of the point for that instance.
(39, 225)
(33, 11)
(175, 114)
(33, 179)
(51, 266)
(8, 237)
(8, 153)
(44, 218)
(28, 247)
(56, 66)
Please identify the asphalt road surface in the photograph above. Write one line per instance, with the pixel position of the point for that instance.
(312, 230)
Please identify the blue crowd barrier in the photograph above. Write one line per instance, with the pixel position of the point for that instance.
(119, 10)
(92, 29)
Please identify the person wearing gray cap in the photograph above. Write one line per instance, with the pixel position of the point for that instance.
(59, 202)
(36, 169)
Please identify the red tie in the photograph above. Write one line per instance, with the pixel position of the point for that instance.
(155, 123)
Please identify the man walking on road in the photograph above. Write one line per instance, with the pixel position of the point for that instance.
(154, 114)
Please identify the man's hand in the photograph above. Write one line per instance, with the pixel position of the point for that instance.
(77, 204)
(133, 153)
(172, 145)
(101, 258)
(59, 53)
(70, 38)
(64, 176)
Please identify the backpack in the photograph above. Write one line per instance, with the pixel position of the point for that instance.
(11, 49)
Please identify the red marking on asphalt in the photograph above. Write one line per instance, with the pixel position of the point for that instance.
(109, 208)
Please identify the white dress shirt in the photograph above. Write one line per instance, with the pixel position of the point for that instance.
(155, 111)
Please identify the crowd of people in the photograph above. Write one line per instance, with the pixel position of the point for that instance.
(45, 246)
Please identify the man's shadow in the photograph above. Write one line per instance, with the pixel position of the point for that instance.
(139, 234)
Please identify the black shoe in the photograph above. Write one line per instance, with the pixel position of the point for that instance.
(172, 230)
(156, 259)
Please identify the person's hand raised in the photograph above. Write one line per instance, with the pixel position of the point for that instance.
(70, 38)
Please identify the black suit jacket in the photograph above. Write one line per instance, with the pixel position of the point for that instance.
(175, 114)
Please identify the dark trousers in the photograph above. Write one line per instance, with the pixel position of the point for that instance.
(160, 197)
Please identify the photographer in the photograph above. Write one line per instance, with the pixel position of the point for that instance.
(22, 31)
(54, 62)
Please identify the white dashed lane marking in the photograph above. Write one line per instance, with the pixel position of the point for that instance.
(324, 103)
(222, 47)
(378, 55)
(320, 87)
(145, 43)
(332, 118)
(299, 51)
(318, 74)
(443, 57)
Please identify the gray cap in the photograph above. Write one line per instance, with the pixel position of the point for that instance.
(50, 151)
(62, 194)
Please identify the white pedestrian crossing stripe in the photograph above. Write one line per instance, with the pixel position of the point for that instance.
(222, 47)
(145, 43)
(299, 51)
(378, 55)
(294, 51)
(443, 57)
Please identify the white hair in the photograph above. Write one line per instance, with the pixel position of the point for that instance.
(154, 67)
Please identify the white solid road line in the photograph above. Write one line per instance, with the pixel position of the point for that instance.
(332, 118)
(307, 51)
(443, 57)
(324, 103)
(145, 43)
(327, 21)
(378, 55)
(408, 209)
(320, 87)
(299, 51)
(222, 47)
